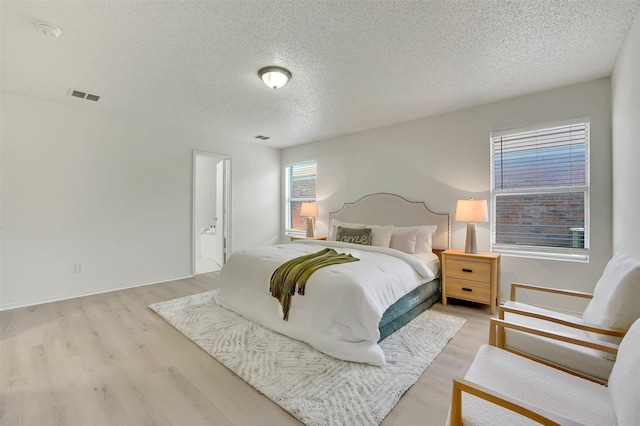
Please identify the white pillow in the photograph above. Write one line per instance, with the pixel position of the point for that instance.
(404, 241)
(380, 235)
(334, 228)
(425, 236)
(616, 297)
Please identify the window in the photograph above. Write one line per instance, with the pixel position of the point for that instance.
(540, 191)
(300, 187)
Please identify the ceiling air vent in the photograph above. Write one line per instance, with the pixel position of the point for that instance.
(264, 138)
(83, 95)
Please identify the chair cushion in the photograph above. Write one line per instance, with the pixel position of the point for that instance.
(624, 386)
(616, 297)
(545, 387)
(577, 358)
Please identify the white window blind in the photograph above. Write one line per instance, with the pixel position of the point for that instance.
(540, 191)
(300, 187)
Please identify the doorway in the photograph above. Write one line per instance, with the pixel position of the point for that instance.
(211, 211)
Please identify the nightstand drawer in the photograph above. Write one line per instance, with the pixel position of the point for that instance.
(468, 290)
(468, 270)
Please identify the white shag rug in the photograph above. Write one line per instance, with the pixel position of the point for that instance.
(314, 387)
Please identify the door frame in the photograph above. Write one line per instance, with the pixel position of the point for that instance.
(226, 208)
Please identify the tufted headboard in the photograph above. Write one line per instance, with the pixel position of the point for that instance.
(384, 208)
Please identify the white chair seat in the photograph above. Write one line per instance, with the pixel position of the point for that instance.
(577, 358)
(545, 387)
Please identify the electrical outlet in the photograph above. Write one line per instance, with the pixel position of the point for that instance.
(79, 267)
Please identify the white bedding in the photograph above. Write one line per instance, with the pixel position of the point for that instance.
(342, 305)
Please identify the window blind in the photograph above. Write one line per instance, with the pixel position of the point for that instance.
(540, 189)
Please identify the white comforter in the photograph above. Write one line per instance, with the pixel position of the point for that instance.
(342, 305)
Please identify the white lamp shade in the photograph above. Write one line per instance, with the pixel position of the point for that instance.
(309, 210)
(472, 211)
(274, 77)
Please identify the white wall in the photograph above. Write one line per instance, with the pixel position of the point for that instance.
(112, 192)
(625, 91)
(444, 158)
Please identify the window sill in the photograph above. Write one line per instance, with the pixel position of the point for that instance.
(563, 257)
(295, 234)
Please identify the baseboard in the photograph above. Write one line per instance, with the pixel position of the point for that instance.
(87, 293)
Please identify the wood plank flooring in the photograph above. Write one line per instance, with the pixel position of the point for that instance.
(109, 360)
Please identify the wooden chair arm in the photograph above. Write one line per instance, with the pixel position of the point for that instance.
(565, 320)
(500, 324)
(523, 408)
(564, 292)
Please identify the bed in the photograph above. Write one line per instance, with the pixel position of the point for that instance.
(348, 308)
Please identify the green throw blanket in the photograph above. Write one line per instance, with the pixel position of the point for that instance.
(295, 273)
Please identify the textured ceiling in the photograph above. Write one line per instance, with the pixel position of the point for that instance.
(355, 65)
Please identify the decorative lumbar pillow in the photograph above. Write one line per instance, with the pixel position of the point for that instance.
(404, 241)
(380, 235)
(424, 238)
(354, 235)
(334, 228)
(616, 297)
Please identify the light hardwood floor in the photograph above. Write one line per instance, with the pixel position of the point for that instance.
(109, 360)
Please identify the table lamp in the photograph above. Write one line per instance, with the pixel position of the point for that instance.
(310, 210)
(471, 211)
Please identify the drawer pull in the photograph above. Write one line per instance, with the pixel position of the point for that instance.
(467, 270)
(467, 289)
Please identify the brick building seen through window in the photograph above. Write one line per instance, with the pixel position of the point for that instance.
(300, 187)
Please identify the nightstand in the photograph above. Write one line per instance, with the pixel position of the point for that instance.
(471, 277)
(293, 238)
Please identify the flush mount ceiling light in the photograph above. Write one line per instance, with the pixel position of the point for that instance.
(274, 77)
(49, 29)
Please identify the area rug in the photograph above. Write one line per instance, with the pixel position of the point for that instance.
(315, 388)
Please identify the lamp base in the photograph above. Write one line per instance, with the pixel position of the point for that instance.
(471, 245)
(310, 231)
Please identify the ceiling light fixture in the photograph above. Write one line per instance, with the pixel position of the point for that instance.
(49, 29)
(274, 77)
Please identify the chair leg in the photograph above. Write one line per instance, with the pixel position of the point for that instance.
(501, 338)
(456, 405)
(492, 333)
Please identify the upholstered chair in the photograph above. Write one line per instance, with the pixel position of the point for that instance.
(613, 307)
(503, 388)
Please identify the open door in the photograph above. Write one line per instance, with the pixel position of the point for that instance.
(211, 211)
